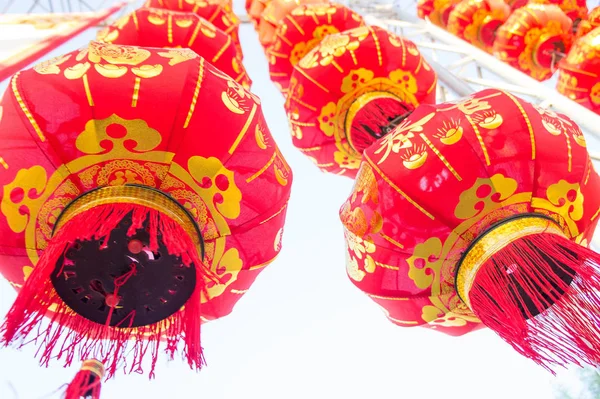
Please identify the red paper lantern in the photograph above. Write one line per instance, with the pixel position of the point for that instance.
(273, 14)
(575, 9)
(155, 171)
(476, 213)
(438, 11)
(349, 90)
(476, 21)
(155, 27)
(217, 12)
(300, 31)
(591, 22)
(579, 72)
(534, 39)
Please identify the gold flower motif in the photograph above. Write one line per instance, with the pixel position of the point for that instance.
(405, 80)
(117, 55)
(327, 120)
(346, 161)
(355, 79)
(595, 93)
(50, 67)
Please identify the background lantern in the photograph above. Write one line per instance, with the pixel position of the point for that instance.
(591, 22)
(349, 90)
(500, 193)
(575, 9)
(273, 14)
(155, 27)
(300, 31)
(579, 72)
(219, 13)
(102, 168)
(255, 10)
(534, 39)
(477, 21)
(437, 11)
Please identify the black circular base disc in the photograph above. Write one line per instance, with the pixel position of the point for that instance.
(84, 278)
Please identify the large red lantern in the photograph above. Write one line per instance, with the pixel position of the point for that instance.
(300, 31)
(350, 90)
(438, 11)
(217, 12)
(476, 21)
(127, 217)
(579, 72)
(155, 27)
(477, 213)
(534, 39)
(591, 22)
(273, 14)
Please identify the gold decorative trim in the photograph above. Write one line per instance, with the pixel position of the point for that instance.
(94, 366)
(138, 195)
(493, 241)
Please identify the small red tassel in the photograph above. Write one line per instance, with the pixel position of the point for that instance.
(69, 334)
(541, 294)
(87, 382)
(376, 119)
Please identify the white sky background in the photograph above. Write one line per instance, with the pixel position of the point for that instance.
(303, 330)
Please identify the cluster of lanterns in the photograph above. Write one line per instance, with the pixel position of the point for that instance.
(143, 193)
(538, 37)
(131, 213)
(468, 214)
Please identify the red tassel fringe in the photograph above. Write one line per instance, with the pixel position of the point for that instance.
(87, 382)
(568, 328)
(370, 119)
(71, 336)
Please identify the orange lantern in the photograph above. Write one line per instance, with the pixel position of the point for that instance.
(575, 9)
(273, 14)
(534, 39)
(255, 10)
(217, 12)
(438, 11)
(579, 72)
(300, 31)
(155, 27)
(350, 90)
(131, 213)
(590, 23)
(478, 213)
(476, 21)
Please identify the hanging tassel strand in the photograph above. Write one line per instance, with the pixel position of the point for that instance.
(87, 381)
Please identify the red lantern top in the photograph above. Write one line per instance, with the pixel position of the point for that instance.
(300, 31)
(438, 11)
(590, 23)
(346, 92)
(273, 14)
(579, 72)
(427, 193)
(477, 21)
(217, 12)
(575, 9)
(155, 27)
(534, 39)
(94, 134)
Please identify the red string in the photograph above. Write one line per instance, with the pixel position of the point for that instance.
(119, 282)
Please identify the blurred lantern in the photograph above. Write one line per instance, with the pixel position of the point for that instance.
(351, 90)
(579, 72)
(476, 21)
(514, 4)
(591, 22)
(255, 10)
(575, 9)
(143, 194)
(273, 14)
(217, 12)
(478, 213)
(300, 31)
(155, 27)
(438, 11)
(534, 39)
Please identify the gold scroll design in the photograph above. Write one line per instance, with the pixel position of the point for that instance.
(333, 47)
(300, 49)
(34, 199)
(362, 85)
(488, 196)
